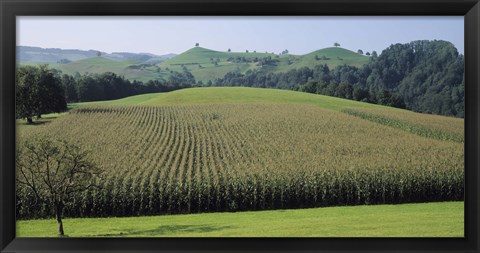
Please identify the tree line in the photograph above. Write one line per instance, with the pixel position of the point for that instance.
(108, 86)
(340, 82)
(40, 90)
(423, 76)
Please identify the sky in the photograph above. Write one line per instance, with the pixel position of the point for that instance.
(299, 35)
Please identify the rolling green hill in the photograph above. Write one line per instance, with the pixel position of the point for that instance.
(229, 95)
(200, 55)
(332, 57)
(201, 63)
(198, 61)
(335, 56)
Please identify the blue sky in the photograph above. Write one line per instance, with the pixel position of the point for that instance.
(300, 35)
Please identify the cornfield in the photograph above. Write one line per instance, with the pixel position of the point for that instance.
(234, 157)
(431, 126)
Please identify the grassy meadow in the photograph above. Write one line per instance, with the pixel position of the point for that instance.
(244, 149)
(405, 220)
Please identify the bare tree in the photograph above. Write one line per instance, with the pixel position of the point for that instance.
(55, 170)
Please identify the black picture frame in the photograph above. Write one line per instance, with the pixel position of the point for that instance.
(9, 9)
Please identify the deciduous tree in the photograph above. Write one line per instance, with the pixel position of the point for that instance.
(38, 91)
(54, 170)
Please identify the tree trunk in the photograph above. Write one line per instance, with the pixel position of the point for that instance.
(29, 120)
(59, 209)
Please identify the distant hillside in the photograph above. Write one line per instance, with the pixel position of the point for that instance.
(27, 54)
(95, 65)
(205, 64)
(199, 55)
(130, 69)
(333, 57)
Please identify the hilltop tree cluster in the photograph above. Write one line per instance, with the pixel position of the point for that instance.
(323, 58)
(423, 76)
(261, 61)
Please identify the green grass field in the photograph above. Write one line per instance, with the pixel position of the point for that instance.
(407, 220)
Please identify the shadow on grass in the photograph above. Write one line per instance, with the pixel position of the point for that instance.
(40, 121)
(35, 123)
(168, 230)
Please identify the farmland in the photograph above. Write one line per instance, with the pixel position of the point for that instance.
(237, 149)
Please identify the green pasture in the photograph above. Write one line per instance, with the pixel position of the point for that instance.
(444, 219)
